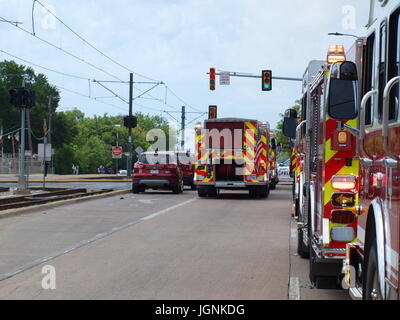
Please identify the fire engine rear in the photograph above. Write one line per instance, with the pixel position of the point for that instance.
(232, 154)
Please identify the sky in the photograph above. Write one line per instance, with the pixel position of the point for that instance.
(176, 42)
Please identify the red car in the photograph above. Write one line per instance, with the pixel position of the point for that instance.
(187, 161)
(157, 171)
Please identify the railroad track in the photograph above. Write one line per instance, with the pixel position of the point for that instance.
(46, 197)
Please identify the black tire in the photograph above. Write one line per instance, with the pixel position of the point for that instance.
(212, 192)
(193, 187)
(372, 285)
(176, 189)
(135, 189)
(264, 192)
(202, 192)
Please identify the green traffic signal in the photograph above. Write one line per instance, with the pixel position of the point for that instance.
(266, 78)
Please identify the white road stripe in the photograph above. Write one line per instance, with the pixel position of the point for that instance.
(166, 210)
(294, 288)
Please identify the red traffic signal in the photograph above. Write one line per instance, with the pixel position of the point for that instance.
(212, 79)
(266, 78)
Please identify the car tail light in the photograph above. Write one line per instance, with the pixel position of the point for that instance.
(343, 217)
(342, 182)
(139, 165)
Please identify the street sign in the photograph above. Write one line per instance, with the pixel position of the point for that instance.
(117, 152)
(42, 153)
(224, 79)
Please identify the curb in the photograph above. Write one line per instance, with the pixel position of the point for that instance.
(15, 212)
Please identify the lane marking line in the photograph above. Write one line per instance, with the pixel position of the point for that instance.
(152, 216)
(294, 288)
(83, 243)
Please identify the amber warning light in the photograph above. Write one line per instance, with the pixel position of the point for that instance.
(336, 54)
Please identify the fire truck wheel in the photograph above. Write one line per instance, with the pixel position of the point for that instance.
(202, 192)
(252, 192)
(212, 192)
(193, 187)
(264, 192)
(372, 286)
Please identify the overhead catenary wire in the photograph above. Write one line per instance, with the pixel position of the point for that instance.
(66, 52)
(91, 64)
(98, 50)
(45, 68)
(91, 45)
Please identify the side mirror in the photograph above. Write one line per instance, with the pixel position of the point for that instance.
(290, 123)
(279, 147)
(343, 91)
(273, 144)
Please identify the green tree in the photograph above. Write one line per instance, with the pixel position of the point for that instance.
(286, 150)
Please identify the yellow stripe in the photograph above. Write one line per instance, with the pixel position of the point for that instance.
(329, 153)
(250, 126)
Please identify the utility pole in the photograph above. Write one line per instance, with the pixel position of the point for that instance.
(183, 127)
(129, 168)
(21, 179)
(1, 140)
(49, 131)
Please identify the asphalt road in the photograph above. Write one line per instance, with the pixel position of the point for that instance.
(158, 246)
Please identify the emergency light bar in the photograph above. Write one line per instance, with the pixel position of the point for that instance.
(336, 54)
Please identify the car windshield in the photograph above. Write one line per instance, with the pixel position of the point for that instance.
(185, 158)
(155, 158)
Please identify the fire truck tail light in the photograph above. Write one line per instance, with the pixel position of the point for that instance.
(342, 182)
(343, 217)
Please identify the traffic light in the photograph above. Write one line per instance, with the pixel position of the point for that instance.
(22, 97)
(212, 112)
(15, 98)
(212, 79)
(130, 122)
(28, 98)
(266, 80)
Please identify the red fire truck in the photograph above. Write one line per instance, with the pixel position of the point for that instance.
(372, 263)
(326, 176)
(273, 165)
(232, 154)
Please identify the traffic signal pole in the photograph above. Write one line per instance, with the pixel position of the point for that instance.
(129, 167)
(248, 75)
(183, 124)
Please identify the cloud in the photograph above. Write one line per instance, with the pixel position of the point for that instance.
(178, 41)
